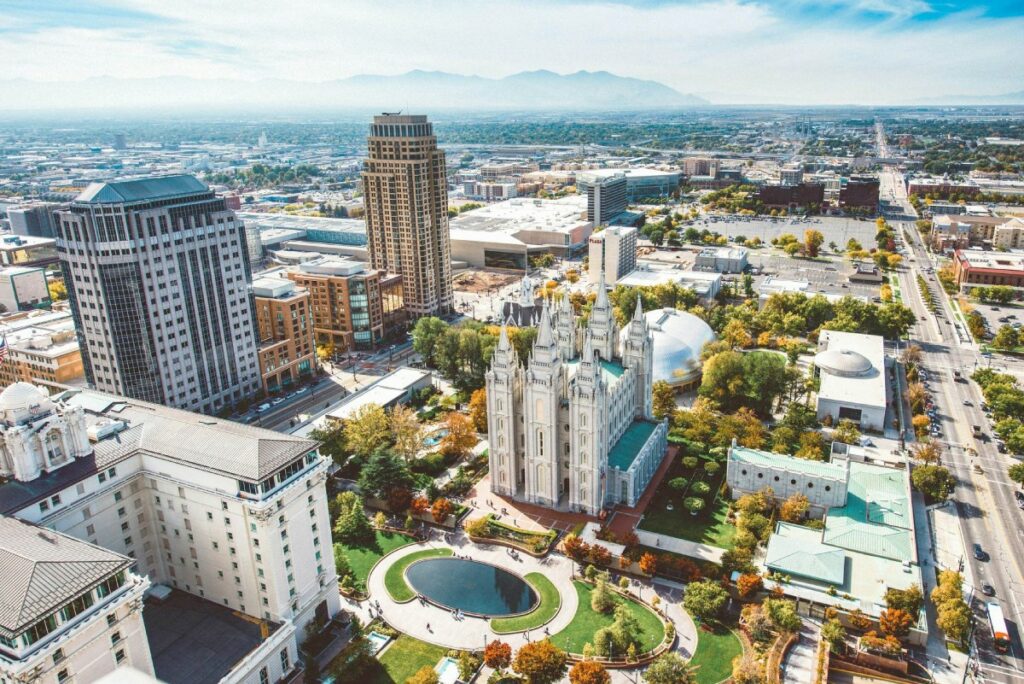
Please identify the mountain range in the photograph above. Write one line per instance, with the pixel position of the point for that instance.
(415, 90)
(1004, 99)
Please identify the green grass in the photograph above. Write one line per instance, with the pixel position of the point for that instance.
(550, 601)
(715, 651)
(394, 578)
(403, 659)
(707, 527)
(362, 558)
(586, 621)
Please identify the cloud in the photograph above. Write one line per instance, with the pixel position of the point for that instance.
(870, 51)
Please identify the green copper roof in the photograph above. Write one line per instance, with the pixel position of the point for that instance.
(767, 459)
(877, 516)
(795, 550)
(629, 445)
(611, 370)
(142, 189)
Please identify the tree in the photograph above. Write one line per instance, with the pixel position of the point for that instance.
(663, 400)
(478, 409)
(441, 509)
(386, 476)
(425, 336)
(366, 430)
(497, 655)
(602, 600)
(669, 668)
(927, 452)
(954, 618)
(648, 563)
(332, 442)
(540, 662)
(406, 431)
(589, 672)
(693, 504)
(341, 564)
(424, 675)
(461, 435)
(57, 290)
(575, 548)
(1006, 338)
(895, 622)
(599, 555)
(833, 632)
(736, 334)
(813, 240)
(935, 482)
(887, 645)
(812, 446)
(794, 509)
(705, 599)
(748, 584)
(908, 600)
(746, 669)
(1016, 473)
(846, 432)
(352, 527)
(782, 613)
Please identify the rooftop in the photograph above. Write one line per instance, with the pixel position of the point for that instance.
(142, 189)
(629, 445)
(43, 570)
(997, 261)
(877, 518)
(611, 370)
(521, 213)
(794, 553)
(767, 459)
(852, 368)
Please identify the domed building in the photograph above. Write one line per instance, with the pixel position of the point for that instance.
(37, 435)
(679, 337)
(851, 367)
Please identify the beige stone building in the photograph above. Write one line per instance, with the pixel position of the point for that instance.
(407, 210)
(285, 328)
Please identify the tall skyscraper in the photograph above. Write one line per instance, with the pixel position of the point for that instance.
(407, 210)
(158, 279)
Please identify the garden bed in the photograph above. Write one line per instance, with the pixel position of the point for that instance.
(529, 541)
(709, 526)
(587, 621)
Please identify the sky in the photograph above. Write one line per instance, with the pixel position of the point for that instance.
(730, 51)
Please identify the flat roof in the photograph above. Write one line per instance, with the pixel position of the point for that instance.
(978, 259)
(195, 641)
(611, 370)
(629, 445)
(524, 213)
(862, 389)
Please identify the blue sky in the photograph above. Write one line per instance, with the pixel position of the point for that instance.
(789, 51)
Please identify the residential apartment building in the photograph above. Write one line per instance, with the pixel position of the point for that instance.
(353, 307)
(157, 272)
(791, 197)
(232, 514)
(285, 324)
(407, 210)
(42, 348)
(961, 232)
(791, 175)
(612, 253)
(72, 611)
(700, 166)
(859, 192)
(606, 195)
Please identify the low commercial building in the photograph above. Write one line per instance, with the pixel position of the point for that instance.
(865, 546)
(612, 253)
(859, 192)
(42, 348)
(705, 284)
(721, 259)
(353, 307)
(941, 187)
(33, 219)
(851, 368)
(808, 196)
(397, 387)
(976, 267)
(866, 272)
(27, 250)
(285, 328)
(507, 234)
(23, 288)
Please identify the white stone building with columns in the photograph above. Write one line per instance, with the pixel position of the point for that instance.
(573, 429)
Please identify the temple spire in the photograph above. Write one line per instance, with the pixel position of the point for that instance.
(602, 292)
(544, 335)
(503, 343)
(638, 312)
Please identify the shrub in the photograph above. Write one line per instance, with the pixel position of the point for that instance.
(700, 488)
(693, 504)
(690, 462)
(710, 467)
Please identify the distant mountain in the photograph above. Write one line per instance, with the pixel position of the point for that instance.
(419, 90)
(1005, 98)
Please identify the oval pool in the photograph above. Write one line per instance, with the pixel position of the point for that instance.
(471, 586)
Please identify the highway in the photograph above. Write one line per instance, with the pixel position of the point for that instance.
(988, 512)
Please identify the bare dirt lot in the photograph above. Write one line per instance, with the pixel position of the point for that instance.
(477, 281)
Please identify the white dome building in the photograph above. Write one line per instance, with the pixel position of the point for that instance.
(851, 368)
(679, 337)
(37, 435)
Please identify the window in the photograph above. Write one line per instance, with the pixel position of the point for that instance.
(264, 675)
(111, 619)
(285, 663)
(115, 638)
(44, 506)
(63, 675)
(119, 656)
(58, 655)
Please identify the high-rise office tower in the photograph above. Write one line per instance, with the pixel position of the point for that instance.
(407, 211)
(606, 196)
(158, 279)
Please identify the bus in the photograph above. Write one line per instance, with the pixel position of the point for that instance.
(1000, 635)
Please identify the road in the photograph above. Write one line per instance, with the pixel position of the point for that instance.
(989, 515)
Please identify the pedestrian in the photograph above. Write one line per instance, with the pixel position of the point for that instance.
(428, 626)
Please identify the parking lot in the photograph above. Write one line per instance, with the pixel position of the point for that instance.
(836, 229)
(826, 277)
(998, 315)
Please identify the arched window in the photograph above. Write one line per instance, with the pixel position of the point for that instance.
(540, 443)
(54, 447)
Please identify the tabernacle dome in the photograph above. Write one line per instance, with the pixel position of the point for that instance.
(679, 337)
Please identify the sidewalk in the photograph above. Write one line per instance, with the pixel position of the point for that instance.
(683, 547)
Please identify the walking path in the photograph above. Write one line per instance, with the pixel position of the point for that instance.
(413, 617)
(684, 547)
(800, 662)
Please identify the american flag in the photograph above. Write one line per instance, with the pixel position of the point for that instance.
(3, 349)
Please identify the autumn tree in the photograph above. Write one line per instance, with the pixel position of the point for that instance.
(746, 669)
(663, 400)
(575, 548)
(648, 563)
(954, 618)
(497, 655)
(813, 240)
(424, 675)
(935, 482)
(441, 509)
(846, 432)
(478, 409)
(589, 672)
(600, 555)
(366, 430)
(406, 431)
(461, 435)
(895, 622)
(748, 584)
(929, 453)
(794, 509)
(540, 662)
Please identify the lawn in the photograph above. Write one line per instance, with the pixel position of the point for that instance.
(707, 527)
(394, 578)
(550, 600)
(403, 659)
(715, 651)
(362, 558)
(586, 621)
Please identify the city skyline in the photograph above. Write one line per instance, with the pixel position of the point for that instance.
(845, 51)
